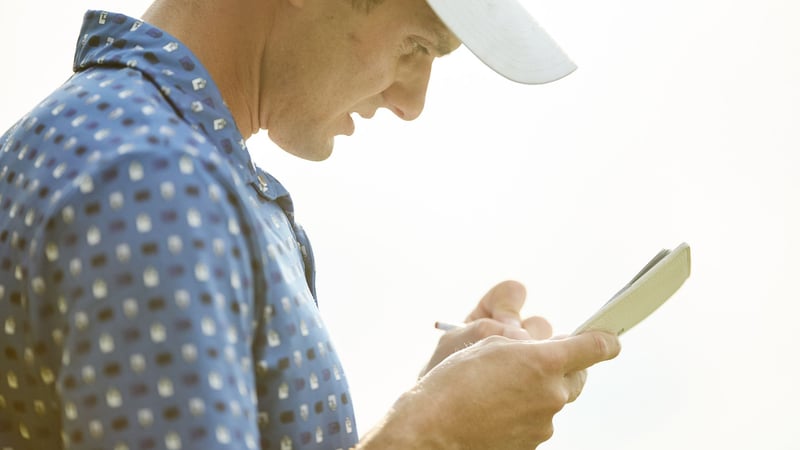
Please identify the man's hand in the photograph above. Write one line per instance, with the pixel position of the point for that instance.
(499, 394)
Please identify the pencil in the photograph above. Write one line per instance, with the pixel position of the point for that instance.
(446, 326)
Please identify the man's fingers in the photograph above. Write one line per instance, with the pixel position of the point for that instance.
(538, 327)
(483, 328)
(502, 303)
(586, 349)
(575, 382)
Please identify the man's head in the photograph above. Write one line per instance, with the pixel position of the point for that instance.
(301, 68)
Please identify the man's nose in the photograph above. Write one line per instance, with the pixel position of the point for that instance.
(406, 96)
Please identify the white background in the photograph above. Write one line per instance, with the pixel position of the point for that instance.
(680, 125)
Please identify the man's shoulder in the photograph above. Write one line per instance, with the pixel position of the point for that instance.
(100, 124)
(103, 113)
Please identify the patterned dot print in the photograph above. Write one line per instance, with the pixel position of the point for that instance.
(155, 290)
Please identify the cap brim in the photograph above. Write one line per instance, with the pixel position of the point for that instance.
(503, 35)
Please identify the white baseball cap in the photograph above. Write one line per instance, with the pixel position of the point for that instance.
(503, 35)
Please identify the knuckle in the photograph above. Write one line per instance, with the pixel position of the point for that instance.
(606, 346)
(486, 328)
(600, 344)
(494, 340)
(560, 397)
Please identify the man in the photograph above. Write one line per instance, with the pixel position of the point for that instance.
(155, 289)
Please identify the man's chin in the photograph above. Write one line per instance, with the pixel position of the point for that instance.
(311, 151)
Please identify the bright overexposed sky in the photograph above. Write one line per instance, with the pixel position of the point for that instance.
(682, 123)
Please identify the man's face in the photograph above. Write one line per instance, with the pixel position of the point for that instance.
(342, 61)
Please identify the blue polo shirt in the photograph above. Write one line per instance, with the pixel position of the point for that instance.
(155, 290)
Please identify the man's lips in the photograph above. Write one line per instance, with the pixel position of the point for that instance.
(349, 125)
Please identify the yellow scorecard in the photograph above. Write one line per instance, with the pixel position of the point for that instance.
(645, 293)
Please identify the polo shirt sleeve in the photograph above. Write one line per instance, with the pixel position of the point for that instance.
(151, 276)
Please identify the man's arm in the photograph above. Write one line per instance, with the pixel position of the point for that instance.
(149, 279)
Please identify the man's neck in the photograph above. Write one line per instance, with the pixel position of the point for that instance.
(229, 39)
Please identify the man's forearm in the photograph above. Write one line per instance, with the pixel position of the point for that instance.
(411, 424)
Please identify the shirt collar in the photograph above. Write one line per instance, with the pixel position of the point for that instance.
(115, 40)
